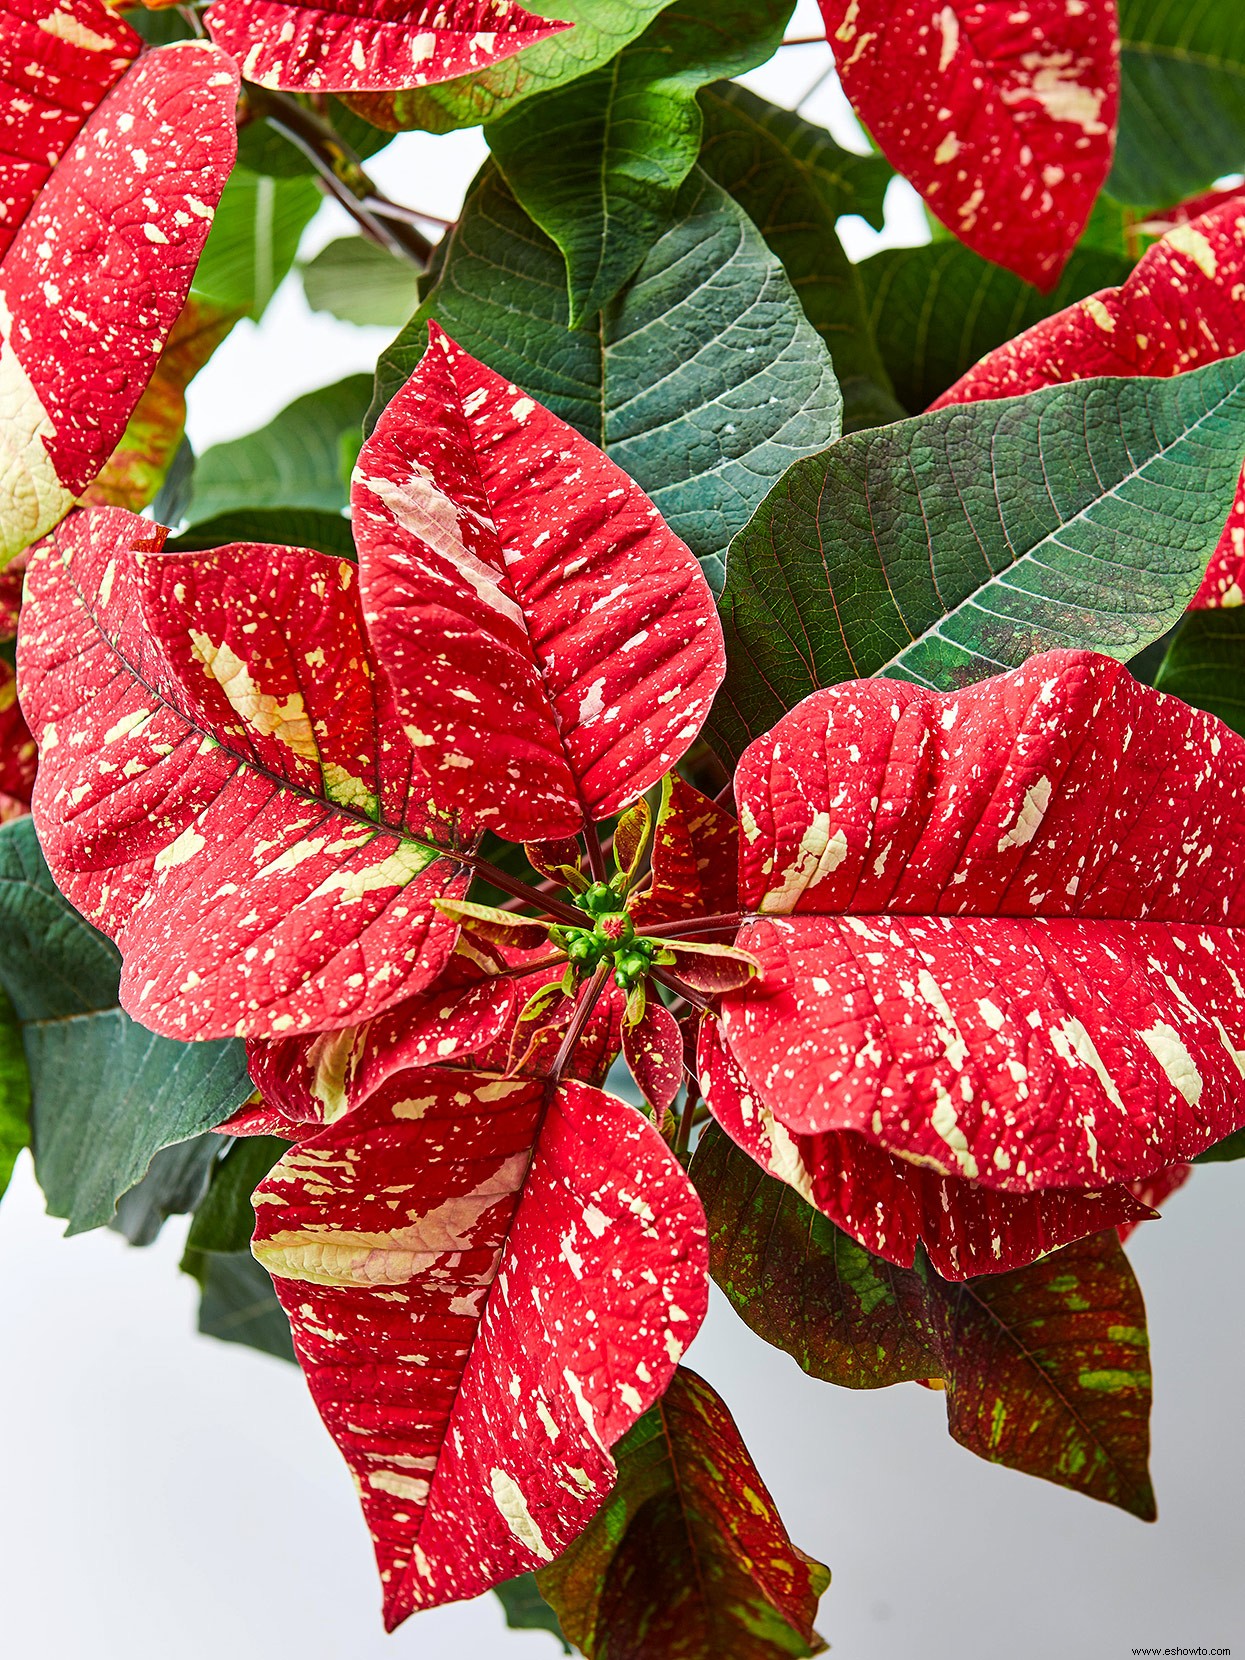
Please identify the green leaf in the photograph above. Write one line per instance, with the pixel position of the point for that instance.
(225, 1220)
(598, 163)
(176, 1180)
(295, 461)
(294, 527)
(526, 1609)
(14, 1092)
(704, 380)
(238, 1304)
(955, 545)
(254, 238)
(602, 28)
(688, 1555)
(795, 183)
(1227, 1151)
(107, 1095)
(1046, 1369)
(1205, 664)
(936, 310)
(1182, 99)
(356, 281)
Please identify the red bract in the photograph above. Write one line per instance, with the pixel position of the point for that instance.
(495, 1280)
(998, 929)
(370, 45)
(96, 275)
(1003, 117)
(695, 860)
(554, 647)
(224, 787)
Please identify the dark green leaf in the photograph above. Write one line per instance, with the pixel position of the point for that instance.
(14, 1092)
(1205, 664)
(935, 310)
(601, 29)
(527, 1610)
(1227, 1151)
(795, 183)
(254, 238)
(598, 163)
(704, 380)
(225, 1219)
(107, 1095)
(1046, 1369)
(176, 1180)
(955, 545)
(688, 1555)
(292, 527)
(1182, 98)
(238, 1304)
(295, 461)
(357, 281)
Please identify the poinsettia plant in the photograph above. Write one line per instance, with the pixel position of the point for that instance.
(730, 768)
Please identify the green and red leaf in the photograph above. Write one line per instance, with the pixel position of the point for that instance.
(688, 1556)
(695, 859)
(496, 1280)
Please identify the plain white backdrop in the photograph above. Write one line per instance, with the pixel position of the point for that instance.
(166, 1497)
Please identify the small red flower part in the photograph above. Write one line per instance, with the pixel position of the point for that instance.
(370, 45)
(496, 1279)
(554, 648)
(1002, 116)
(103, 227)
(1000, 931)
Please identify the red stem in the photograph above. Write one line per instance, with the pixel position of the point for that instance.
(697, 925)
(587, 1001)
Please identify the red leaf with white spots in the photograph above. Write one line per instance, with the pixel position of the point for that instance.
(654, 1051)
(1154, 1191)
(695, 859)
(224, 787)
(370, 45)
(554, 648)
(999, 929)
(1002, 116)
(97, 275)
(1224, 582)
(58, 58)
(18, 756)
(315, 1079)
(890, 1204)
(486, 1292)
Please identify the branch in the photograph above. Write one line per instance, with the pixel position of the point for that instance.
(342, 172)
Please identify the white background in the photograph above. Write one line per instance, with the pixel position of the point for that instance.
(166, 1497)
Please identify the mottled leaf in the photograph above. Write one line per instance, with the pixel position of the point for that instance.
(598, 163)
(704, 380)
(224, 785)
(999, 936)
(961, 542)
(586, 648)
(695, 859)
(795, 183)
(1046, 1369)
(107, 1095)
(323, 46)
(99, 269)
(544, 1246)
(1002, 117)
(688, 1556)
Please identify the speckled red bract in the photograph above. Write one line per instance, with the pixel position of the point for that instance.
(370, 45)
(224, 787)
(554, 646)
(488, 1283)
(1002, 115)
(1000, 929)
